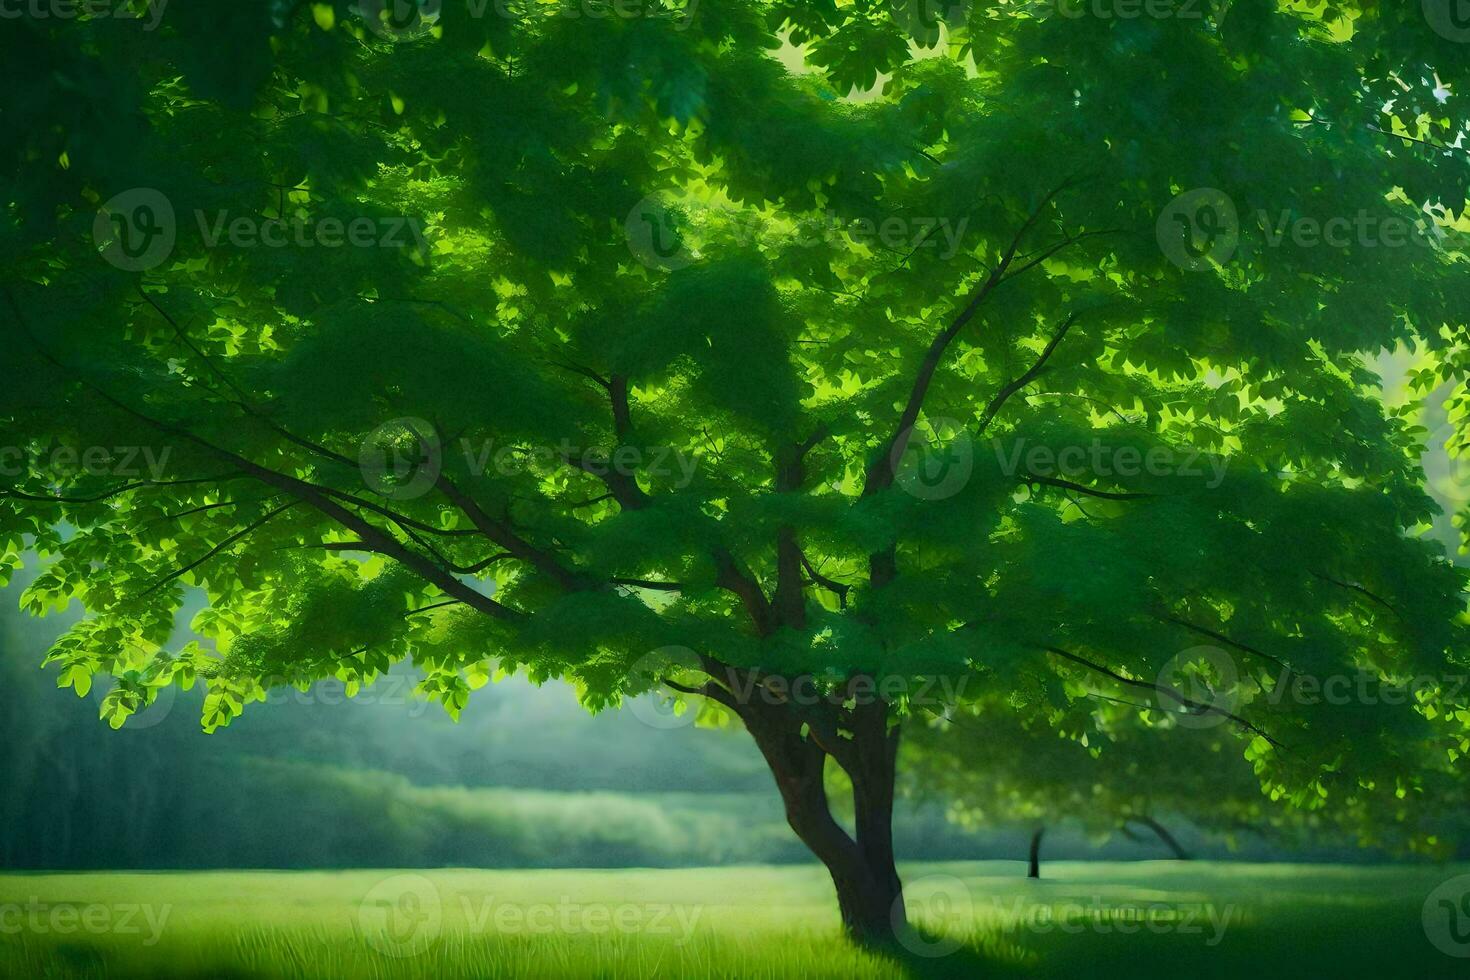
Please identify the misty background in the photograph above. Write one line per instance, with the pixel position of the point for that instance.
(526, 778)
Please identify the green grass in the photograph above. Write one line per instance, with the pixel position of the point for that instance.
(1199, 920)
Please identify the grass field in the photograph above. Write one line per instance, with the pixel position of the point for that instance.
(1195, 920)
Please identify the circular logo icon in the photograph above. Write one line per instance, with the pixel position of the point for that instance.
(400, 20)
(940, 911)
(136, 230)
(401, 459)
(1199, 687)
(1450, 19)
(401, 916)
(656, 708)
(925, 20)
(1447, 917)
(653, 235)
(1447, 465)
(124, 706)
(935, 471)
(1199, 229)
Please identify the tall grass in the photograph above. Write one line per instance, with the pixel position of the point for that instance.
(1195, 920)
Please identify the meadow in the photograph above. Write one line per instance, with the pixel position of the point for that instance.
(1095, 919)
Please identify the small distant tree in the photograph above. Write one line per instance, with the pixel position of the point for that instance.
(787, 355)
(1141, 769)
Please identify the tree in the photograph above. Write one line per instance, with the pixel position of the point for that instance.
(1137, 769)
(416, 315)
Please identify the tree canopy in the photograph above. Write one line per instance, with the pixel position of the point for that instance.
(1002, 342)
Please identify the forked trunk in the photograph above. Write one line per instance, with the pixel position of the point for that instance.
(869, 893)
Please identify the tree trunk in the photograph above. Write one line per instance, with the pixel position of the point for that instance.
(869, 893)
(1034, 870)
(1163, 834)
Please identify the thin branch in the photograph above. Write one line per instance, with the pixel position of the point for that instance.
(1361, 591)
(641, 583)
(1196, 707)
(44, 499)
(251, 527)
(1087, 491)
(998, 402)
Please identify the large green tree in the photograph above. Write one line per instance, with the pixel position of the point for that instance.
(816, 254)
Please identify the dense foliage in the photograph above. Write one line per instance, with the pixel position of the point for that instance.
(993, 343)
